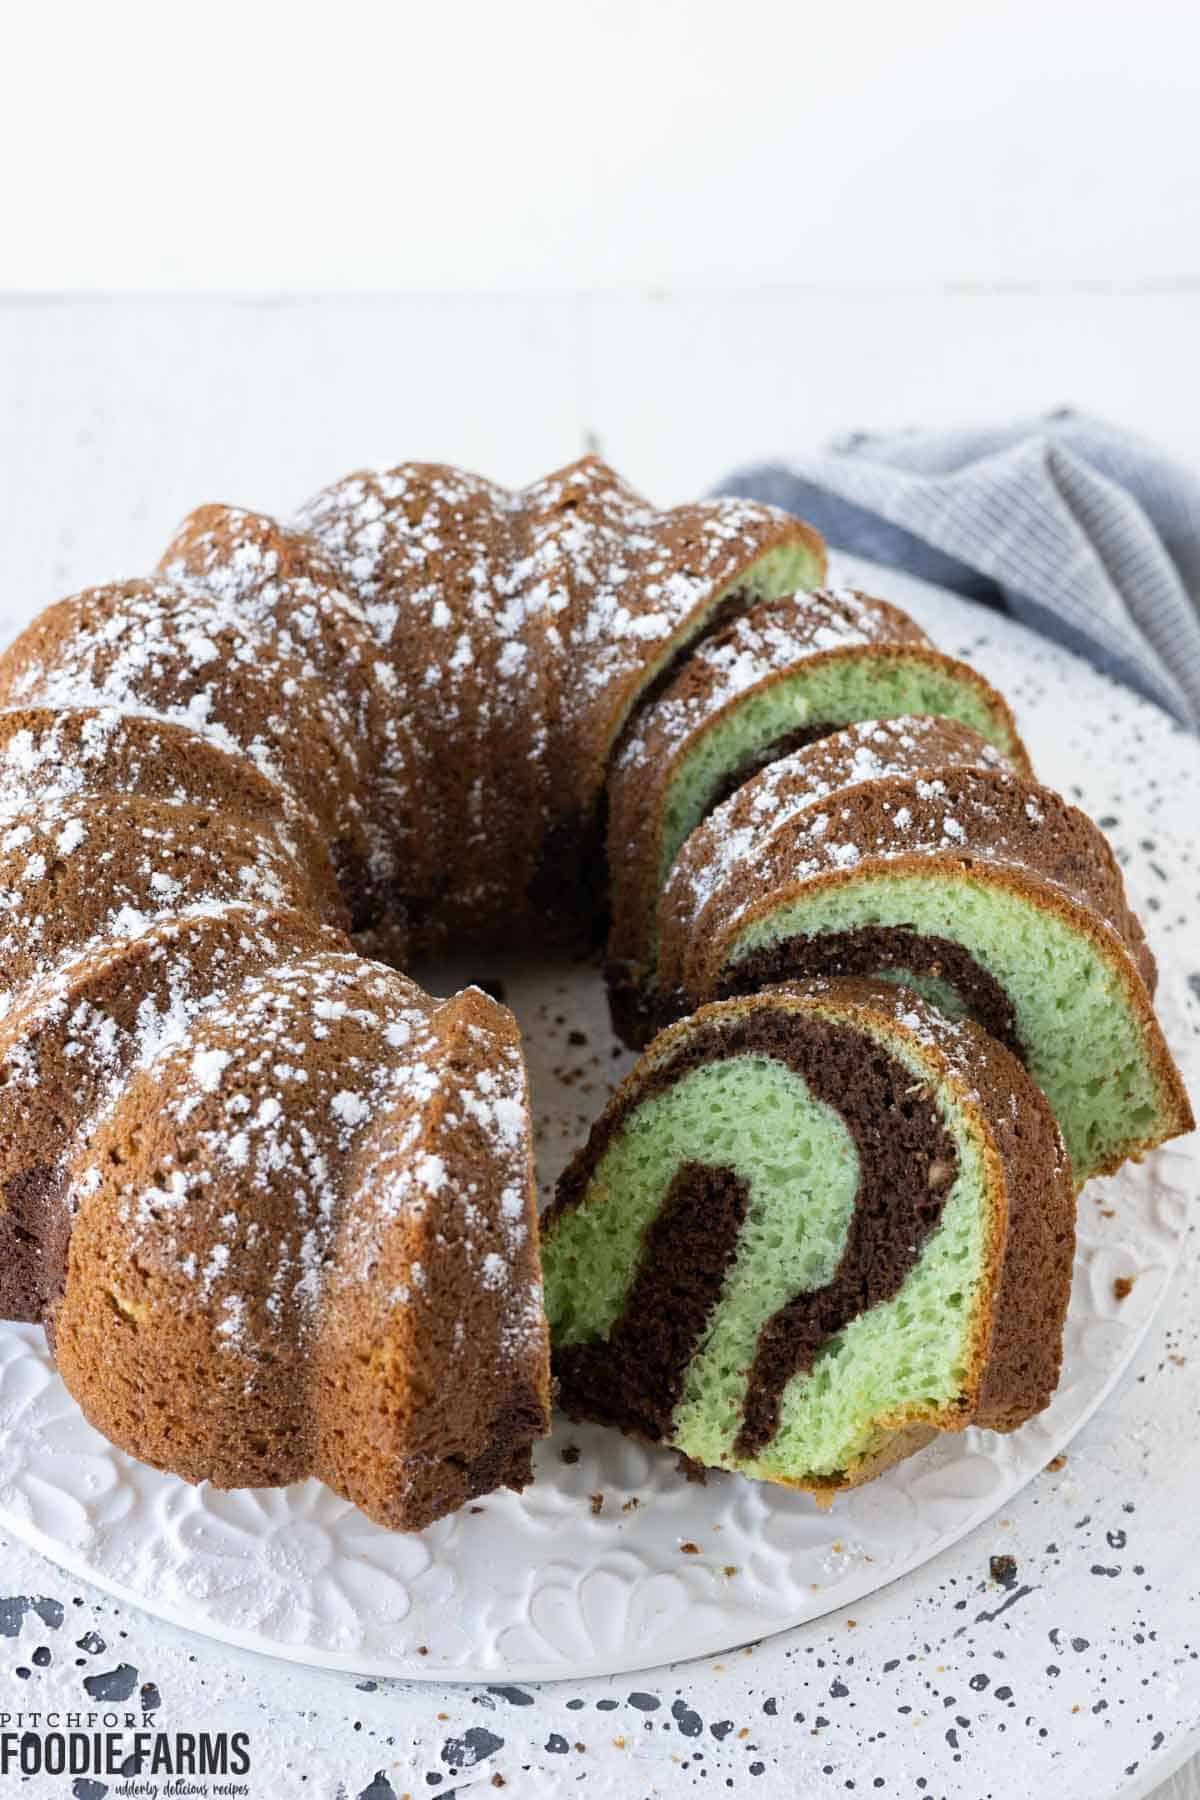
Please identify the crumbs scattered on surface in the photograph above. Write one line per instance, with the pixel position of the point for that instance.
(1123, 1286)
(1003, 1569)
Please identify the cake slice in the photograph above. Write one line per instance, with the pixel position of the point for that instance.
(814, 1227)
(989, 894)
(645, 966)
(782, 675)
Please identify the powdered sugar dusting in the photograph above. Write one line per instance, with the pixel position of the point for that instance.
(181, 654)
(132, 864)
(775, 638)
(207, 1066)
(293, 1161)
(519, 628)
(798, 787)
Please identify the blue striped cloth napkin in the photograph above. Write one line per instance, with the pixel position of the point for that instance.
(1075, 527)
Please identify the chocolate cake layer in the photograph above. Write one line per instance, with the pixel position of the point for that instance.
(868, 950)
(635, 1379)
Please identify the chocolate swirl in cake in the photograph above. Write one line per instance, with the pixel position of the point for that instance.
(907, 1166)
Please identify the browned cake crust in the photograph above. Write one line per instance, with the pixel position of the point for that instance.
(279, 583)
(772, 643)
(119, 863)
(461, 785)
(51, 756)
(521, 628)
(370, 1317)
(474, 1316)
(66, 1049)
(186, 657)
(836, 1034)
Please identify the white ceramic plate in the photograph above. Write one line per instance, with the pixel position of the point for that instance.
(612, 1561)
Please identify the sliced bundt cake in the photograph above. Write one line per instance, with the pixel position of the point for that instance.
(272, 1203)
(644, 981)
(988, 893)
(275, 1205)
(785, 674)
(813, 1227)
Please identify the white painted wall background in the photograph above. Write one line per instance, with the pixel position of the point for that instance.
(558, 145)
(699, 230)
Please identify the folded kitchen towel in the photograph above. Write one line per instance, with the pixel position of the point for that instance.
(1071, 525)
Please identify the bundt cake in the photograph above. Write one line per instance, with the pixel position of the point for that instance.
(985, 891)
(782, 675)
(274, 1205)
(813, 1228)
